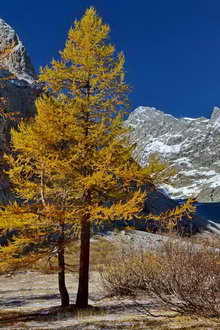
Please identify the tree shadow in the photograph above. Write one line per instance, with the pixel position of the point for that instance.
(54, 313)
(12, 302)
(58, 313)
(11, 291)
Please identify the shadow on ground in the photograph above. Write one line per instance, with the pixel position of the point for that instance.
(13, 301)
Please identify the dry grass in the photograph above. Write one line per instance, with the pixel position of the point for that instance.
(207, 240)
(102, 252)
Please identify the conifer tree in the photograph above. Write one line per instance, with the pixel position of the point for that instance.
(72, 163)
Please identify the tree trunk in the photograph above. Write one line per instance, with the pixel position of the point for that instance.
(64, 296)
(83, 288)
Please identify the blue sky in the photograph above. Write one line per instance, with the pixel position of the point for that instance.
(172, 47)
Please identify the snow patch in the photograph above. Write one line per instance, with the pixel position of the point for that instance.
(214, 181)
(181, 192)
(187, 118)
(198, 173)
(194, 189)
(158, 146)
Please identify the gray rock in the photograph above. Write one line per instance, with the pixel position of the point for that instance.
(137, 240)
(18, 87)
(189, 144)
(215, 115)
(17, 62)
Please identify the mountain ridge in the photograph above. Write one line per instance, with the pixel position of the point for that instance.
(17, 62)
(189, 144)
(19, 89)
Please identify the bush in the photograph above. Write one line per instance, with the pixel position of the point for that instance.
(125, 275)
(184, 277)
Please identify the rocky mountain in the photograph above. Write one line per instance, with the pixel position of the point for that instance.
(17, 75)
(18, 88)
(189, 144)
(17, 62)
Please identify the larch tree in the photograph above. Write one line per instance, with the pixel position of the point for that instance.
(72, 164)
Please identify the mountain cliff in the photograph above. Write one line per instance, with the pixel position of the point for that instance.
(18, 87)
(17, 75)
(18, 61)
(189, 144)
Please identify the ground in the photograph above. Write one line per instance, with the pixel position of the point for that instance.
(30, 300)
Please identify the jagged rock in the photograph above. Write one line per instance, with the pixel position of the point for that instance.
(189, 144)
(18, 87)
(215, 117)
(17, 62)
(209, 194)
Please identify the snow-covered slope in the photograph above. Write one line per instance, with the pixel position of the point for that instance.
(192, 145)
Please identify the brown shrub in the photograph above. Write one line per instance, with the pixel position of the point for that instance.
(125, 275)
(183, 276)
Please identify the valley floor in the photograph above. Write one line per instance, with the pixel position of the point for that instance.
(30, 300)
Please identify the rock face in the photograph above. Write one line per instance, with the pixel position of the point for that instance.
(17, 86)
(17, 62)
(189, 144)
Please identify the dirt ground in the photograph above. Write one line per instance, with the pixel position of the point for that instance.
(30, 300)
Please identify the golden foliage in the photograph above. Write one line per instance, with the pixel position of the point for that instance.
(170, 218)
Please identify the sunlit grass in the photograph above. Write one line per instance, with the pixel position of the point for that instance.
(102, 252)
